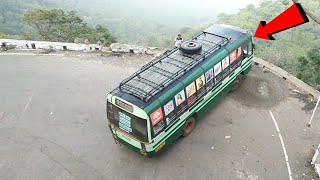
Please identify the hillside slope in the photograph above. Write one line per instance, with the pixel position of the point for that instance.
(293, 49)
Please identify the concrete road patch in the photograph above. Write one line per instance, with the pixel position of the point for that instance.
(53, 126)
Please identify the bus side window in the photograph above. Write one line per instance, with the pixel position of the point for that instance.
(158, 128)
(245, 51)
(233, 59)
(169, 112)
(201, 88)
(239, 56)
(191, 94)
(217, 72)
(209, 79)
(181, 103)
(225, 66)
(157, 121)
(250, 49)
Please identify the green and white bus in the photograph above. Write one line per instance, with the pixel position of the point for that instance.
(162, 101)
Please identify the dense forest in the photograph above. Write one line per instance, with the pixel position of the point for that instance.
(11, 12)
(127, 20)
(295, 50)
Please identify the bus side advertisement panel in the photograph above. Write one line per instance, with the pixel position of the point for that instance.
(225, 66)
(233, 56)
(239, 56)
(156, 116)
(236, 58)
(201, 88)
(191, 94)
(157, 120)
(217, 72)
(209, 79)
(169, 112)
(181, 103)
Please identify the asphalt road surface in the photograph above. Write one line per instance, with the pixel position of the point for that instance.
(53, 126)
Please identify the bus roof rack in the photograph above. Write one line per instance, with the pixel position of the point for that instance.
(153, 77)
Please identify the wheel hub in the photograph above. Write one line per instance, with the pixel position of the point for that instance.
(191, 44)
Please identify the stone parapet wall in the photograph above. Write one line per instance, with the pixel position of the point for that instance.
(60, 46)
(26, 44)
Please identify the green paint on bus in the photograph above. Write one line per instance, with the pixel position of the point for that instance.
(150, 126)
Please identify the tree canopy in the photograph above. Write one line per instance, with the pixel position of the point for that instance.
(308, 68)
(56, 25)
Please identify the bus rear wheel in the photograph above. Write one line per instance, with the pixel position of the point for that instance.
(188, 126)
(237, 82)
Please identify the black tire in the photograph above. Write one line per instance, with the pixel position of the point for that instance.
(237, 83)
(188, 126)
(190, 47)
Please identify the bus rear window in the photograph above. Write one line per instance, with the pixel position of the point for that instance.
(130, 124)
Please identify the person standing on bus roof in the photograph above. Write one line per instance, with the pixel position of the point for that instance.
(178, 40)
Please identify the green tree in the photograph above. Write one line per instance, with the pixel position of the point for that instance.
(56, 25)
(309, 67)
(104, 36)
(3, 35)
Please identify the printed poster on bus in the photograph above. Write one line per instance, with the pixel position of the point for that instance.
(191, 89)
(169, 111)
(239, 53)
(168, 108)
(209, 79)
(233, 56)
(191, 94)
(209, 75)
(217, 69)
(217, 72)
(201, 90)
(181, 104)
(180, 98)
(225, 66)
(225, 63)
(156, 116)
(125, 122)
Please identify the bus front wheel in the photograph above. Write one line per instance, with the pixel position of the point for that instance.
(188, 126)
(237, 82)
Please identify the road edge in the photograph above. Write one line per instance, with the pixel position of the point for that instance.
(287, 76)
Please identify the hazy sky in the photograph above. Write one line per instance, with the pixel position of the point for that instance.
(141, 17)
(195, 5)
(170, 11)
(162, 10)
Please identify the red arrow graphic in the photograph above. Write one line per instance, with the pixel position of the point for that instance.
(293, 16)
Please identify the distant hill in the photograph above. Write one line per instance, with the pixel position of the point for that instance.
(128, 20)
(11, 12)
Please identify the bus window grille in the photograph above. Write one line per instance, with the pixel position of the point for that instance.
(159, 72)
(166, 71)
(182, 62)
(148, 82)
(168, 62)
